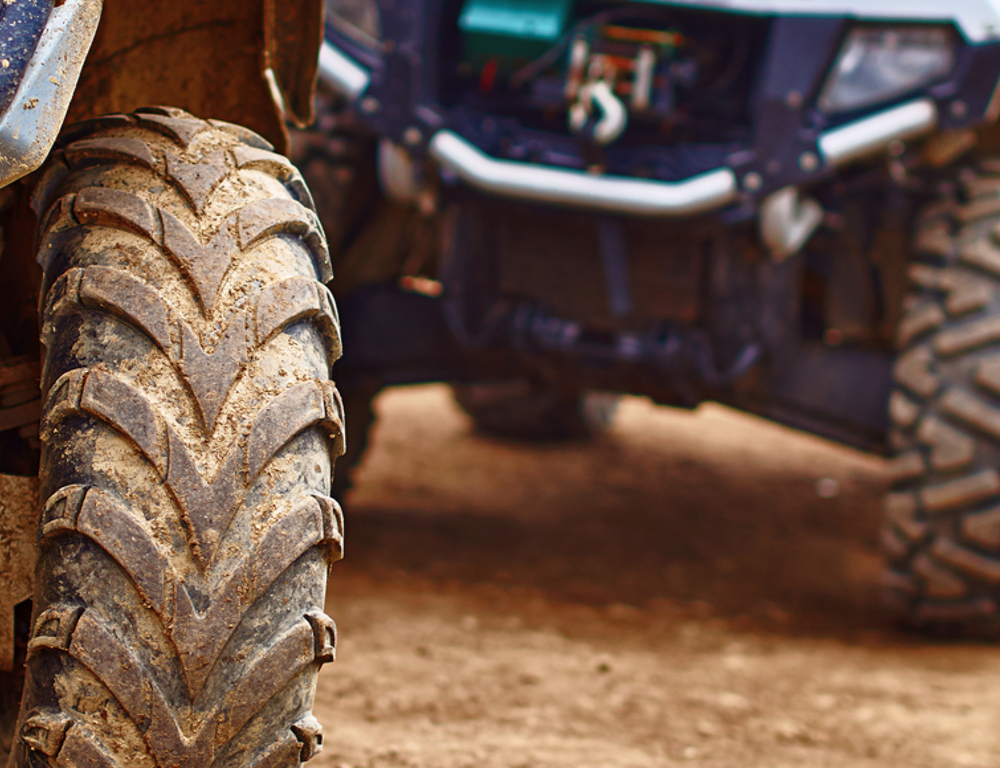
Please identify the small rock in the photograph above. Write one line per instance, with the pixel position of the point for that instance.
(824, 701)
(690, 753)
(827, 488)
(734, 701)
(470, 623)
(735, 661)
(513, 623)
(707, 728)
(788, 730)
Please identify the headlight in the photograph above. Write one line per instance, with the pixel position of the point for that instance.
(880, 64)
(358, 19)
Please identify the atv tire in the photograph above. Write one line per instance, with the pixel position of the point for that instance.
(942, 526)
(528, 413)
(359, 417)
(189, 431)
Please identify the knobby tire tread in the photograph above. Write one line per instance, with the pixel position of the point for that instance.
(942, 517)
(189, 432)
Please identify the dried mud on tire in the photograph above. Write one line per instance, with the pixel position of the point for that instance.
(189, 432)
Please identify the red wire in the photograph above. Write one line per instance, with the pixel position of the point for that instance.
(488, 76)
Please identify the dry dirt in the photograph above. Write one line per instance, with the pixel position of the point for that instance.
(678, 592)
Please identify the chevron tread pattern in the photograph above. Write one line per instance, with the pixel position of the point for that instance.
(189, 433)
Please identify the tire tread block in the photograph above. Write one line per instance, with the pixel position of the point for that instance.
(173, 124)
(98, 206)
(971, 335)
(95, 514)
(206, 264)
(197, 181)
(973, 410)
(953, 494)
(950, 448)
(983, 528)
(902, 410)
(901, 510)
(210, 375)
(109, 149)
(926, 317)
(940, 582)
(913, 371)
(986, 568)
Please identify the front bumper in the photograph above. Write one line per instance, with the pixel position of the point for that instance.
(791, 145)
(642, 197)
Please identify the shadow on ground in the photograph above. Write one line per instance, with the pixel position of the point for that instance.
(713, 513)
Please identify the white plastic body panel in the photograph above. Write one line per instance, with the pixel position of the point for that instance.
(978, 20)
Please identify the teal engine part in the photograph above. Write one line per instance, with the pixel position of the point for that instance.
(512, 30)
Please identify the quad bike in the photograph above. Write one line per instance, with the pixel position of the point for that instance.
(166, 523)
(789, 207)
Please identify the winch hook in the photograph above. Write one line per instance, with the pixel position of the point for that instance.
(614, 115)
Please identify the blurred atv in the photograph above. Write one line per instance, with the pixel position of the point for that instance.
(791, 208)
(168, 483)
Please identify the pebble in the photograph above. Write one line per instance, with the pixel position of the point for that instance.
(707, 728)
(827, 488)
(731, 700)
(470, 623)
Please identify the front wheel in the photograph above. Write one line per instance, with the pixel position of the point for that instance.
(188, 437)
(942, 525)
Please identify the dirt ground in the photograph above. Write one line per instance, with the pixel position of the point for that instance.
(694, 588)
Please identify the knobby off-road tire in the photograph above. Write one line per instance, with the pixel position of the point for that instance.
(359, 417)
(942, 528)
(522, 411)
(189, 430)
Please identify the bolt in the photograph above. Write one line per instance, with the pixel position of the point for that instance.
(808, 162)
(752, 181)
(412, 136)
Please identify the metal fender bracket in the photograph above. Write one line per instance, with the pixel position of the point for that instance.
(32, 121)
(787, 221)
(18, 529)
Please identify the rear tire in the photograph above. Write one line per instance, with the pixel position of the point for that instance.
(942, 525)
(523, 411)
(188, 433)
